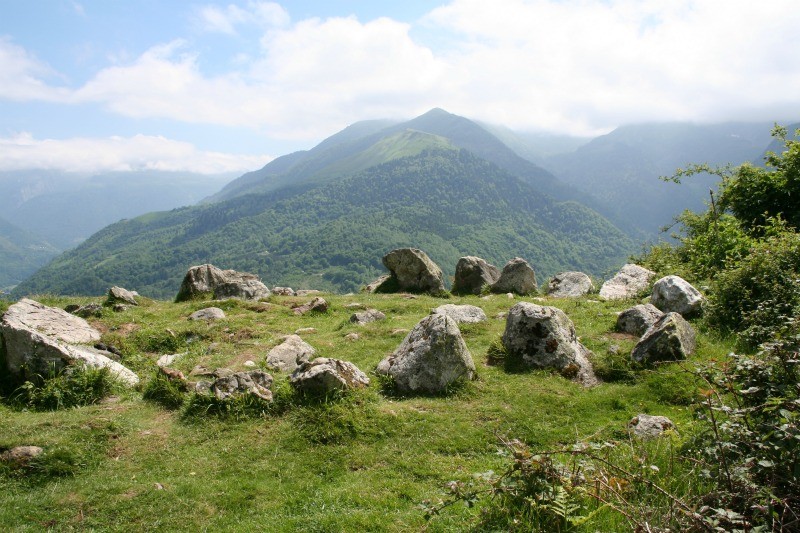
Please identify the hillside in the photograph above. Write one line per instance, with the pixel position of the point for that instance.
(448, 202)
(622, 169)
(21, 253)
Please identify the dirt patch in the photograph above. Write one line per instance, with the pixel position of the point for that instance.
(622, 336)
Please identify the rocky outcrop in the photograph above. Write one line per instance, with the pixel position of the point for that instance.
(569, 285)
(229, 384)
(431, 358)
(517, 277)
(210, 282)
(649, 426)
(365, 317)
(323, 376)
(118, 295)
(544, 337)
(462, 314)
(411, 270)
(38, 340)
(675, 294)
(290, 354)
(671, 338)
(638, 319)
(208, 313)
(318, 305)
(629, 282)
(473, 274)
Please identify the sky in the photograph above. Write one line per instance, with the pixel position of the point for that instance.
(212, 87)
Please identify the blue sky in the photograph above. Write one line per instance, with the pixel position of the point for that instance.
(91, 85)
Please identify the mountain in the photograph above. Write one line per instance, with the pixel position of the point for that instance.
(21, 253)
(414, 189)
(622, 169)
(65, 208)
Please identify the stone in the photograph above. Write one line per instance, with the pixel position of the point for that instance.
(209, 313)
(671, 338)
(229, 384)
(431, 358)
(119, 308)
(352, 337)
(249, 364)
(517, 277)
(118, 295)
(38, 340)
(675, 294)
(473, 274)
(307, 292)
(372, 287)
(290, 354)
(649, 426)
(569, 285)
(88, 310)
(20, 454)
(462, 314)
(355, 305)
(412, 270)
(629, 282)
(175, 376)
(283, 291)
(365, 317)
(168, 359)
(544, 337)
(323, 376)
(204, 281)
(318, 305)
(638, 319)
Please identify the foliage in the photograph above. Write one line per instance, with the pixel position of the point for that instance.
(164, 391)
(71, 387)
(750, 447)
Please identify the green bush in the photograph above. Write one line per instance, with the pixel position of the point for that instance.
(73, 386)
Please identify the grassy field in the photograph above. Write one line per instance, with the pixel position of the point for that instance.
(365, 462)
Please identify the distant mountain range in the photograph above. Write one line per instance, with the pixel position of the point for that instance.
(21, 253)
(323, 218)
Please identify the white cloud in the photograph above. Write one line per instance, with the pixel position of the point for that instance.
(140, 152)
(23, 76)
(225, 20)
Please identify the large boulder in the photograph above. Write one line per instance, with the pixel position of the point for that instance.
(412, 270)
(38, 340)
(431, 358)
(377, 284)
(323, 376)
(569, 285)
(473, 274)
(518, 277)
(290, 354)
(627, 283)
(118, 295)
(638, 319)
(675, 294)
(462, 314)
(671, 338)
(545, 337)
(208, 281)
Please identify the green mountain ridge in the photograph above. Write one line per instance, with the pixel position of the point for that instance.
(21, 253)
(447, 202)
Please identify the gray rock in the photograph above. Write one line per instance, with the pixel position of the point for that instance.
(318, 305)
(206, 281)
(167, 359)
(675, 294)
(473, 274)
(412, 270)
(38, 340)
(649, 426)
(365, 317)
(118, 295)
(671, 338)
(88, 310)
(432, 357)
(462, 314)
(283, 291)
(209, 313)
(307, 292)
(290, 354)
(569, 285)
(629, 282)
(230, 384)
(352, 337)
(544, 337)
(638, 319)
(517, 277)
(20, 454)
(372, 287)
(323, 376)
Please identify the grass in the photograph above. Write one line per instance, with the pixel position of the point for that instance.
(365, 461)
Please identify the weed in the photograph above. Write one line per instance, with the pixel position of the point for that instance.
(164, 391)
(72, 386)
